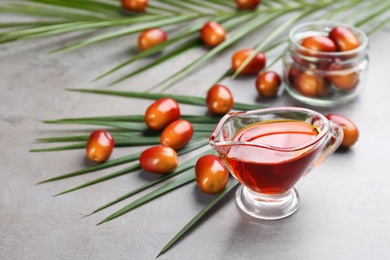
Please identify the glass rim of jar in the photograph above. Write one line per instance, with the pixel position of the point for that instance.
(320, 136)
(361, 50)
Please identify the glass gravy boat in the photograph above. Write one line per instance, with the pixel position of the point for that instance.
(269, 150)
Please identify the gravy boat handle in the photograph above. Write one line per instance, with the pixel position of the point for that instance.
(334, 139)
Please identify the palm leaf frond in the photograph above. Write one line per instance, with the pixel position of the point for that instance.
(189, 100)
(193, 145)
(183, 179)
(183, 167)
(67, 16)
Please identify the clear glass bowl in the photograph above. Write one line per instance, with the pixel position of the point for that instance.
(324, 79)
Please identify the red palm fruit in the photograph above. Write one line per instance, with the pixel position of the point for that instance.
(219, 100)
(267, 84)
(177, 134)
(344, 38)
(253, 67)
(151, 37)
(99, 146)
(311, 85)
(211, 174)
(351, 132)
(247, 4)
(134, 5)
(212, 34)
(161, 113)
(319, 43)
(159, 159)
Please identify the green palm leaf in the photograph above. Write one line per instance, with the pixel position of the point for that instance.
(260, 46)
(131, 30)
(132, 168)
(251, 26)
(134, 126)
(105, 165)
(184, 167)
(190, 100)
(50, 12)
(77, 26)
(120, 141)
(183, 179)
(172, 40)
(193, 221)
(381, 9)
(193, 145)
(91, 6)
(180, 50)
(139, 118)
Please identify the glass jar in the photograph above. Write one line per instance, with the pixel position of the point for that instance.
(324, 78)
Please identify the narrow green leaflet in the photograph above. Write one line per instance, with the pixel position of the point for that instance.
(127, 31)
(24, 24)
(379, 26)
(176, 38)
(342, 8)
(183, 167)
(183, 179)
(125, 139)
(90, 6)
(60, 148)
(382, 9)
(178, 51)
(231, 22)
(13, 35)
(119, 142)
(116, 135)
(157, 8)
(204, 4)
(234, 37)
(74, 138)
(133, 126)
(230, 72)
(138, 118)
(179, 4)
(192, 145)
(190, 100)
(107, 164)
(223, 3)
(85, 25)
(276, 33)
(132, 168)
(233, 183)
(53, 13)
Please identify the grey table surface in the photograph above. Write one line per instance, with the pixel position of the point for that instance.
(345, 206)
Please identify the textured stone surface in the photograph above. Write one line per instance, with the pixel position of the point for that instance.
(344, 211)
